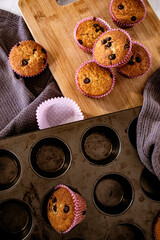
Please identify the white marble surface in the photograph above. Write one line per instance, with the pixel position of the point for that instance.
(12, 6)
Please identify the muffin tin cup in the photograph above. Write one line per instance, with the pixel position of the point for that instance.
(126, 231)
(28, 76)
(15, 219)
(150, 185)
(126, 57)
(124, 25)
(150, 63)
(111, 147)
(53, 151)
(113, 194)
(10, 169)
(132, 132)
(85, 49)
(91, 96)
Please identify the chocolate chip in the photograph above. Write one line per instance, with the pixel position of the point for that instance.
(34, 50)
(44, 61)
(138, 59)
(108, 39)
(24, 62)
(84, 212)
(112, 56)
(18, 44)
(54, 200)
(97, 29)
(120, 7)
(133, 18)
(95, 25)
(55, 208)
(108, 45)
(102, 29)
(80, 41)
(104, 41)
(126, 46)
(66, 208)
(87, 80)
(43, 50)
(111, 75)
(130, 62)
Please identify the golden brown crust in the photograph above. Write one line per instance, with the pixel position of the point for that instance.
(99, 79)
(139, 62)
(28, 58)
(131, 12)
(60, 209)
(117, 46)
(88, 31)
(157, 229)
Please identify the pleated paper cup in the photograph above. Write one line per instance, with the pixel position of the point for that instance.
(57, 111)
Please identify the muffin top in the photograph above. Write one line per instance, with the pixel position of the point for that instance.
(112, 47)
(156, 228)
(128, 11)
(139, 62)
(60, 209)
(88, 31)
(28, 58)
(94, 80)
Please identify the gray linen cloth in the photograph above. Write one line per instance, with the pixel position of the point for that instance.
(148, 125)
(19, 97)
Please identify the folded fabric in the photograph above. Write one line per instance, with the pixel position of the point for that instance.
(148, 125)
(20, 97)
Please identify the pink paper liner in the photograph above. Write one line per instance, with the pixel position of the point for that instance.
(28, 75)
(153, 226)
(85, 49)
(150, 62)
(125, 25)
(124, 60)
(79, 206)
(44, 111)
(99, 96)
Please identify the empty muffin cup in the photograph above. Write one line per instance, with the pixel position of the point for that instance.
(113, 194)
(100, 145)
(50, 157)
(125, 231)
(132, 132)
(150, 185)
(15, 219)
(9, 169)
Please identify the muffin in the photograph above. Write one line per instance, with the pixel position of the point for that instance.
(57, 111)
(28, 58)
(65, 209)
(93, 80)
(112, 48)
(139, 62)
(156, 227)
(88, 30)
(127, 13)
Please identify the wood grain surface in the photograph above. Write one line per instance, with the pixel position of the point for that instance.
(52, 26)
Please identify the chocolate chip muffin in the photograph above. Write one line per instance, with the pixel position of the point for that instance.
(112, 48)
(28, 58)
(127, 13)
(139, 62)
(65, 209)
(88, 30)
(93, 80)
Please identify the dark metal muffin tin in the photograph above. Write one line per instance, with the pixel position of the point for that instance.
(97, 157)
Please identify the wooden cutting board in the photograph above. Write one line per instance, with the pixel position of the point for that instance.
(52, 26)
